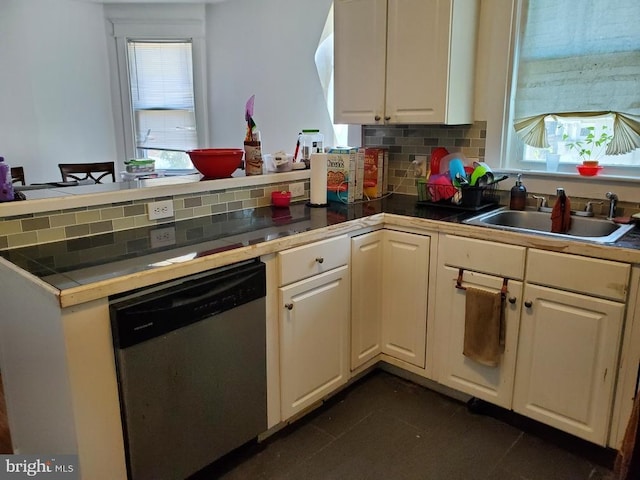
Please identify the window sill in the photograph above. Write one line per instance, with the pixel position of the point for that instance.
(542, 182)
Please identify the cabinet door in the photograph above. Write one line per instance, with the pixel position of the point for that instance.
(404, 298)
(567, 361)
(417, 60)
(360, 36)
(314, 338)
(493, 384)
(366, 297)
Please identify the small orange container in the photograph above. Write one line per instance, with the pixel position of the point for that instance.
(588, 171)
(280, 199)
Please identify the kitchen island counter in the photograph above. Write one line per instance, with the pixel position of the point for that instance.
(94, 267)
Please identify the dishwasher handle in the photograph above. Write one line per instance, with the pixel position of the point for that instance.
(189, 297)
(150, 315)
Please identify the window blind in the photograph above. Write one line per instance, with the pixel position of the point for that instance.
(579, 59)
(162, 97)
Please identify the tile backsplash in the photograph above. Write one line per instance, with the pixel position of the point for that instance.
(407, 141)
(57, 225)
(404, 143)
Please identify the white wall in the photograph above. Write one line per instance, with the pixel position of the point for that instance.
(55, 93)
(266, 48)
(55, 102)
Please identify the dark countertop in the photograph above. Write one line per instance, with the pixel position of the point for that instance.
(82, 261)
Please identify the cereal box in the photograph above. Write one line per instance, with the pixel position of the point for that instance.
(343, 167)
(375, 175)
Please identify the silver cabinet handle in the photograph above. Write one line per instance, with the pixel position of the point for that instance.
(319, 259)
(387, 119)
(528, 304)
(512, 300)
(377, 118)
(288, 306)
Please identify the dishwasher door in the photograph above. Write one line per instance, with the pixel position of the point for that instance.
(193, 394)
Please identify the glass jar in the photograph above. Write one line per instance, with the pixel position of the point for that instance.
(311, 141)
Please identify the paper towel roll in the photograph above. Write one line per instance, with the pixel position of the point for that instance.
(318, 194)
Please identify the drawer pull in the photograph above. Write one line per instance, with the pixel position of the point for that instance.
(288, 306)
(528, 304)
(512, 300)
(319, 259)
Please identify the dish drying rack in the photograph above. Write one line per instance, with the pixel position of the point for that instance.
(464, 197)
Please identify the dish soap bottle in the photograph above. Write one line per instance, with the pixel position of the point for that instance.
(6, 185)
(518, 199)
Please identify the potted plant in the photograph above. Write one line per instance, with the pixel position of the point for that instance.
(592, 147)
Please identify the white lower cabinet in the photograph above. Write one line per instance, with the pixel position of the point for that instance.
(366, 297)
(314, 338)
(567, 361)
(405, 275)
(389, 296)
(483, 265)
(493, 384)
(563, 323)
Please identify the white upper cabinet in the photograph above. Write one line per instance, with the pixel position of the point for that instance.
(360, 44)
(404, 61)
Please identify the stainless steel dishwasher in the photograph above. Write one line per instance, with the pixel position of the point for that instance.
(191, 365)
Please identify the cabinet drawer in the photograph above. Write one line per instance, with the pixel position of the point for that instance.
(482, 256)
(602, 278)
(308, 260)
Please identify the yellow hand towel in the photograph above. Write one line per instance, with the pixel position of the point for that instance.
(483, 326)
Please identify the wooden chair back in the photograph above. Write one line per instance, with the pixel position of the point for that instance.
(17, 175)
(87, 171)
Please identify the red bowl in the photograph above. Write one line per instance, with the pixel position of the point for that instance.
(216, 162)
(588, 171)
(280, 199)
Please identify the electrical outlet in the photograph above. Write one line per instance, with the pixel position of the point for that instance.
(162, 237)
(296, 189)
(162, 209)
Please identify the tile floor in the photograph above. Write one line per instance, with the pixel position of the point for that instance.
(384, 427)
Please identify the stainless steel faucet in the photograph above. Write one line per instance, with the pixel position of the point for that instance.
(542, 204)
(613, 202)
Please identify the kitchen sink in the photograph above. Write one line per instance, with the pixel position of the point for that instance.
(591, 229)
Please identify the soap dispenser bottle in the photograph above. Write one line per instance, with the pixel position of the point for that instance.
(518, 199)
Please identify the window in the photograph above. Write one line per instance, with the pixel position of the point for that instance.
(162, 101)
(578, 71)
(158, 64)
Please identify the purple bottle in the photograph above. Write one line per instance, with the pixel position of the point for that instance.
(6, 186)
